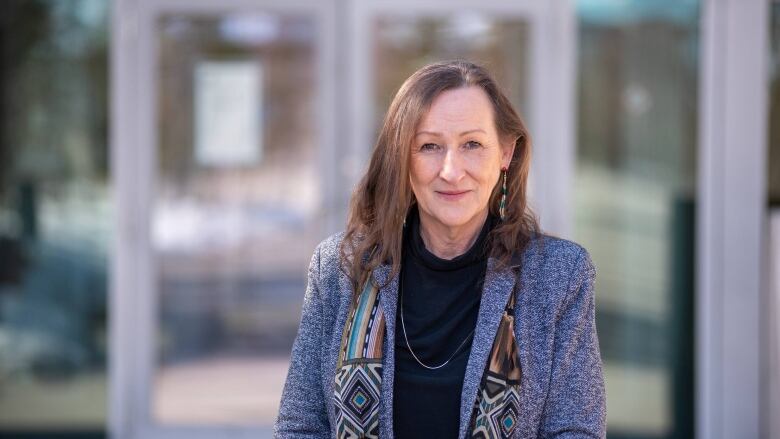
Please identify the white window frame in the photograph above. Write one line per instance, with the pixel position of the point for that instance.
(133, 293)
(731, 218)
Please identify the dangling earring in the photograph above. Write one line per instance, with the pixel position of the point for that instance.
(502, 205)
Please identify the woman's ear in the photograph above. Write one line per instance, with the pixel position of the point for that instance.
(507, 151)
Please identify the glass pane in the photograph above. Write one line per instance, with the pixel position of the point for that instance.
(635, 204)
(405, 43)
(237, 211)
(772, 356)
(55, 217)
(774, 107)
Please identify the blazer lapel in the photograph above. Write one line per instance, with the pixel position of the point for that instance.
(525, 325)
(495, 293)
(388, 299)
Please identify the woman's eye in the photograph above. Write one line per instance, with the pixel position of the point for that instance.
(429, 147)
(473, 144)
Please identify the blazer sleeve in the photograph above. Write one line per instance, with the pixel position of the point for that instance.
(302, 413)
(576, 402)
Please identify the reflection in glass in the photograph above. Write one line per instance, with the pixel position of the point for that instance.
(774, 107)
(54, 215)
(404, 43)
(635, 201)
(237, 211)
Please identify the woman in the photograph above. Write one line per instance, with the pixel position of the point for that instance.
(442, 311)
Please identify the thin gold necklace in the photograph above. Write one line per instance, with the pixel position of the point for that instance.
(403, 327)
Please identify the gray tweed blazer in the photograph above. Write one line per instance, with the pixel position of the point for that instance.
(562, 386)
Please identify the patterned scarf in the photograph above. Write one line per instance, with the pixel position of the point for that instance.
(359, 374)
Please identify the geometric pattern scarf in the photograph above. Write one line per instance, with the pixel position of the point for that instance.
(359, 375)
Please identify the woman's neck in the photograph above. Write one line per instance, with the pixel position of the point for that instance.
(450, 242)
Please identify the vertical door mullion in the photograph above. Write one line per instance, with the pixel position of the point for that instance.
(124, 262)
(553, 118)
(731, 218)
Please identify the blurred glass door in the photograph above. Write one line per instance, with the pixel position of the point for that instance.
(634, 204)
(237, 210)
(237, 150)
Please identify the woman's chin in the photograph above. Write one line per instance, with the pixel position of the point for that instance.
(452, 218)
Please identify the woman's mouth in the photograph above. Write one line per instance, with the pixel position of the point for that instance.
(451, 195)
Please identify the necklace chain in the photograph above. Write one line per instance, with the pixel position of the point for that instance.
(403, 327)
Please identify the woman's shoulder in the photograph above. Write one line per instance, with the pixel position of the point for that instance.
(325, 270)
(329, 248)
(327, 256)
(557, 259)
(546, 245)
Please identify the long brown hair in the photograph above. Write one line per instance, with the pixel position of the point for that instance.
(383, 196)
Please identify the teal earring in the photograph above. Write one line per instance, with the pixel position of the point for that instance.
(502, 204)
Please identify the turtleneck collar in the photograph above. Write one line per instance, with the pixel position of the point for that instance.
(416, 246)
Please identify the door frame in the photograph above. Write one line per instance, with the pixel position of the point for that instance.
(133, 304)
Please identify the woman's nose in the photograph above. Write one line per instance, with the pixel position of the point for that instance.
(451, 167)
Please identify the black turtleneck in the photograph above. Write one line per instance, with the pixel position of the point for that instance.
(440, 305)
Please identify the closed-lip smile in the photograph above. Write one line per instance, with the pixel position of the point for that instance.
(451, 195)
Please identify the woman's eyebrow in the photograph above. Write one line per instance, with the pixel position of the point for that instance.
(434, 133)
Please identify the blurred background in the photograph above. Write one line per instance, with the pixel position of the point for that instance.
(167, 168)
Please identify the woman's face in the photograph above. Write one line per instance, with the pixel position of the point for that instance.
(456, 159)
